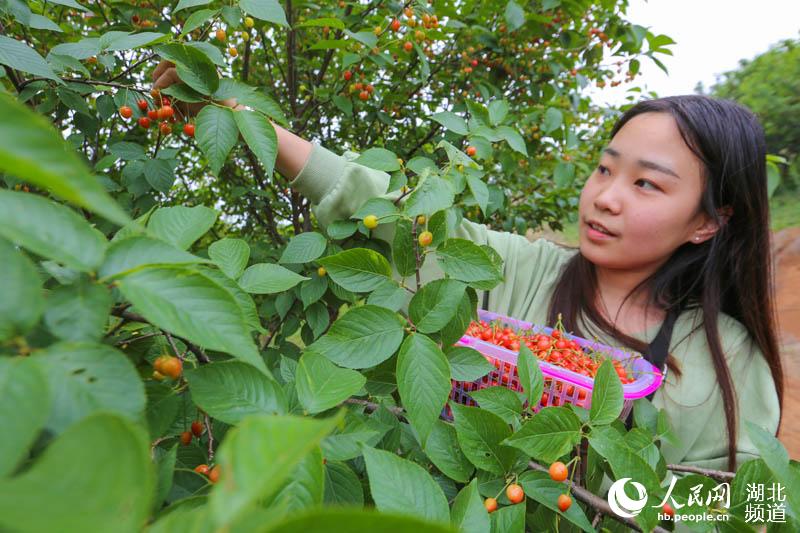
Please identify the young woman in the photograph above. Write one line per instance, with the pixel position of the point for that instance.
(673, 262)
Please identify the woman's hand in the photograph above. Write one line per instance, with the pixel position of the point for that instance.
(165, 74)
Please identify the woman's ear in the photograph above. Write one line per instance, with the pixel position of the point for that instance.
(710, 227)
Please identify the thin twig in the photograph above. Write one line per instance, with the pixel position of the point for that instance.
(207, 422)
(719, 475)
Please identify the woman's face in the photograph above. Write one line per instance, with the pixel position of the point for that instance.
(646, 190)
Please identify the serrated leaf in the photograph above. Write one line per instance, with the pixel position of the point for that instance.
(530, 375)
(230, 255)
(443, 450)
(194, 68)
(468, 513)
(216, 134)
(501, 401)
(127, 254)
(231, 391)
(260, 136)
(430, 196)
(20, 56)
(466, 261)
(551, 433)
(194, 306)
(400, 486)
(357, 269)
(121, 496)
(31, 149)
(452, 122)
(267, 278)
(269, 10)
(607, 395)
(51, 230)
(304, 248)
(22, 303)
(78, 311)
(435, 304)
(379, 159)
(468, 364)
(480, 434)
(363, 337)
(180, 225)
(85, 378)
(423, 379)
(322, 385)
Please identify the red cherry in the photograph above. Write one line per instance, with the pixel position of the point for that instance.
(165, 128)
(197, 428)
(142, 105)
(188, 129)
(126, 112)
(144, 122)
(152, 114)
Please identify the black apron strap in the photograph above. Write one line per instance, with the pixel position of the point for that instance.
(485, 306)
(658, 350)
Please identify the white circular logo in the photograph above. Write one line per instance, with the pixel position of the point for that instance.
(620, 502)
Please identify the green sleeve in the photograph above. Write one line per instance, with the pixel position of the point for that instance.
(337, 187)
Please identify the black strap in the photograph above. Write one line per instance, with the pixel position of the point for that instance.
(657, 352)
(485, 301)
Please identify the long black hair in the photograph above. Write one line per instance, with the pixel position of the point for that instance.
(731, 272)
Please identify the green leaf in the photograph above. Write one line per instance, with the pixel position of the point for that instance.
(192, 305)
(435, 304)
(355, 521)
(31, 149)
(607, 395)
(120, 497)
(389, 295)
(87, 47)
(357, 269)
(313, 289)
(269, 10)
(539, 487)
(379, 159)
(20, 56)
(69, 3)
(257, 456)
(231, 391)
(467, 364)
(162, 407)
(468, 513)
(400, 486)
(423, 379)
(452, 122)
(501, 401)
(24, 406)
(165, 466)
(515, 18)
(118, 41)
(216, 135)
(623, 460)
(403, 249)
(194, 68)
(197, 19)
(551, 433)
(78, 312)
(304, 248)
(342, 486)
(160, 173)
(260, 136)
(185, 4)
(466, 261)
(322, 385)
(777, 459)
(345, 443)
(333, 23)
(304, 488)
(137, 251)
(363, 337)
(498, 110)
(509, 519)
(382, 208)
(530, 375)
(230, 255)
(127, 151)
(267, 278)
(430, 196)
(341, 229)
(480, 434)
(479, 190)
(443, 450)
(51, 230)
(85, 378)
(553, 119)
(513, 138)
(180, 225)
(22, 303)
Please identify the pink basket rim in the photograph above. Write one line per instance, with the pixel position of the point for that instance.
(649, 376)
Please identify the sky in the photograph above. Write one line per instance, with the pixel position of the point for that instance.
(711, 37)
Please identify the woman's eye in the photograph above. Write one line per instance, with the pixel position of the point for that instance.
(601, 168)
(649, 183)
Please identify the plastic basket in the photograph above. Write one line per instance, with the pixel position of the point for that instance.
(561, 386)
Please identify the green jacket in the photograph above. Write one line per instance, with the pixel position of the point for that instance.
(337, 187)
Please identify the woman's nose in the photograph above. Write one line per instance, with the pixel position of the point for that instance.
(609, 196)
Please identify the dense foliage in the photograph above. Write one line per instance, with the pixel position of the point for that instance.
(183, 348)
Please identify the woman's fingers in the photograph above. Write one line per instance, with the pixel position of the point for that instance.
(167, 78)
(162, 66)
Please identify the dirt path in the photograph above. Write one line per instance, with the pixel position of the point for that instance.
(787, 281)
